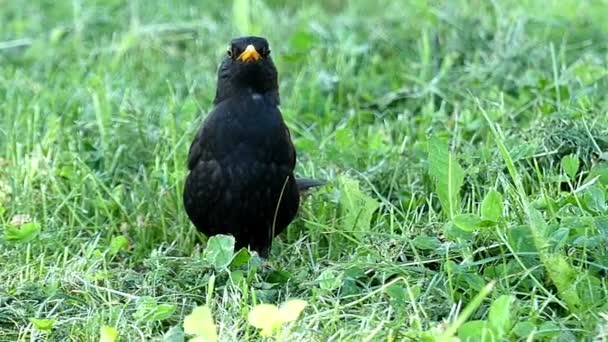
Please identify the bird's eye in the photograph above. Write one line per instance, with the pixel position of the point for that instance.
(229, 52)
(266, 51)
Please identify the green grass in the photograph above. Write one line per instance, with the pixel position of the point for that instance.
(414, 111)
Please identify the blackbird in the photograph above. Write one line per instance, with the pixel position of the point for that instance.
(241, 163)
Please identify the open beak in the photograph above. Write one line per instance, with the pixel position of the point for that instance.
(249, 54)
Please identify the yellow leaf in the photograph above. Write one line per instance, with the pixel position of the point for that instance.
(107, 334)
(291, 309)
(200, 323)
(266, 317)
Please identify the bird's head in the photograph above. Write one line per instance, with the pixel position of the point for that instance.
(247, 66)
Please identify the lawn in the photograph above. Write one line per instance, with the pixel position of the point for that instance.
(465, 144)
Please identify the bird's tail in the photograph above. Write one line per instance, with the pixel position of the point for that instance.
(307, 183)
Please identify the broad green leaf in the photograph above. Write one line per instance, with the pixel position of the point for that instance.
(278, 277)
(447, 174)
(108, 334)
(492, 206)
(149, 310)
(162, 312)
(499, 317)
(357, 206)
(426, 242)
(595, 199)
(355, 272)
(175, 334)
(117, 244)
(600, 170)
(467, 222)
(558, 239)
(398, 292)
(200, 324)
(452, 232)
(544, 202)
(23, 233)
(473, 331)
(473, 280)
(601, 223)
(219, 251)
(570, 165)
(548, 329)
(242, 257)
(145, 305)
(524, 329)
(266, 317)
(329, 280)
(590, 290)
(291, 309)
(43, 324)
(237, 277)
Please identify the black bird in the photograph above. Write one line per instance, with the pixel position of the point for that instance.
(242, 160)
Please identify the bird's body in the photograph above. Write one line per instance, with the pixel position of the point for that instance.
(242, 160)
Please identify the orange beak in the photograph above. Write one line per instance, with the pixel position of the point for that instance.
(250, 53)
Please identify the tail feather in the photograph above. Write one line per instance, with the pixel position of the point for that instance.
(307, 183)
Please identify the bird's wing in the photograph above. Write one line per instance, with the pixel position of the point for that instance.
(198, 146)
(292, 155)
(194, 153)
